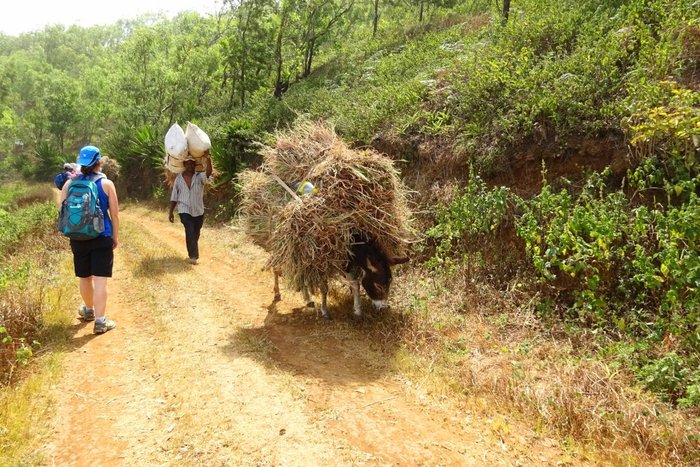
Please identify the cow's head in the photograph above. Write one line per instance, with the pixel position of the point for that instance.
(377, 277)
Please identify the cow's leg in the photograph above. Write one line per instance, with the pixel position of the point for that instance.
(324, 300)
(307, 298)
(278, 296)
(356, 301)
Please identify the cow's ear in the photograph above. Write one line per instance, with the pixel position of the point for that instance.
(371, 266)
(395, 261)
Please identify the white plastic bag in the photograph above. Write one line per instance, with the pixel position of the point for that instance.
(198, 141)
(176, 142)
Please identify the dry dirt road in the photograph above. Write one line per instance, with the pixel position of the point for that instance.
(200, 371)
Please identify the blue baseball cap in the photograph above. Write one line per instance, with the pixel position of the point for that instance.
(88, 156)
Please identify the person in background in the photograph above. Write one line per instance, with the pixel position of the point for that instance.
(188, 197)
(69, 171)
(93, 259)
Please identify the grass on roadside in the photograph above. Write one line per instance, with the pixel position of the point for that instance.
(25, 409)
(36, 294)
(518, 365)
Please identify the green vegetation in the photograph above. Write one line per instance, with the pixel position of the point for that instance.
(31, 325)
(598, 99)
(622, 259)
(26, 212)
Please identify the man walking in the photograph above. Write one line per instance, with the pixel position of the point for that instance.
(188, 197)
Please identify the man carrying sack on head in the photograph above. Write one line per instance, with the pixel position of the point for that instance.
(188, 197)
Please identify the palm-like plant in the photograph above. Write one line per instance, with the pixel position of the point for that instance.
(140, 156)
(49, 161)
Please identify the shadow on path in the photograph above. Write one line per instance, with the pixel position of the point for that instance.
(151, 266)
(338, 351)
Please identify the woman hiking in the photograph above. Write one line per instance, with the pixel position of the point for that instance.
(93, 259)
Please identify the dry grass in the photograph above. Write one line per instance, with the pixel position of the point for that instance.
(262, 200)
(26, 298)
(111, 168)
(32, 305)
(296, 152)
(36, 194)
(309, 237)
(24, 411)
(483, 345)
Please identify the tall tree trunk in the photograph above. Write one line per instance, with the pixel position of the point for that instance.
(308, 58)
(375, 20)
(280, 87)
(506, 10)
(244, 57)
(242, 77)
(232, 95)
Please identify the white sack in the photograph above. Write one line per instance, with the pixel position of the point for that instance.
(176, 142)
(197, 140)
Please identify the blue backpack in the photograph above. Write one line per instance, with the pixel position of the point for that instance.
(80, 217)
(61, 179)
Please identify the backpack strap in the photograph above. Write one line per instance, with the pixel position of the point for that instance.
(93, 177)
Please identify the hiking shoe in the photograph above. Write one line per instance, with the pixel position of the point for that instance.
(86, 314)
(192, 260)
(106, 325)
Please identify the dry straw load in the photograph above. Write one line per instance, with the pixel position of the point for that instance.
(110, 168)
(309, 237)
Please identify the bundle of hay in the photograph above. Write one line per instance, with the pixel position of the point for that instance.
(262, 200)
(111, 168)
(309, 237)
(295, 153)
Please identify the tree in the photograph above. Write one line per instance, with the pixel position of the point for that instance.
(506, 10)
(375, 18)
(318, 19)
(141, 76)
(424, 5)
(61, 104)
(281, 84)
(248, 49)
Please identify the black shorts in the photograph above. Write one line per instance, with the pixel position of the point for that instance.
(93, 257)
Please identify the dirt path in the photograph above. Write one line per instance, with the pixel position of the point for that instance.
(199, 372)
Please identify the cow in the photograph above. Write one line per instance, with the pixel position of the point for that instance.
(368, 265)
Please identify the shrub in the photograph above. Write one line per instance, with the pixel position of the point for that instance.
(20, 289)
(140, 155)
(475, 212)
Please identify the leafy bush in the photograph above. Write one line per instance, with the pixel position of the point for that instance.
(675, 377)
(581, 237)
(21, 224)
(625, 271)
(665, 122)
(473, 213)
(140, 155)
(22, 228)
(239, 147)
